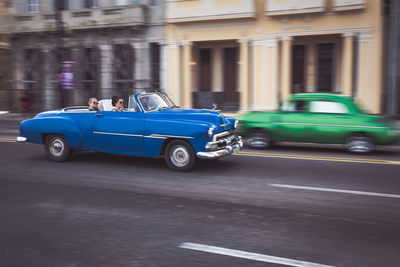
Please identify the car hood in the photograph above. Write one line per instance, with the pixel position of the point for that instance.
(209, 117)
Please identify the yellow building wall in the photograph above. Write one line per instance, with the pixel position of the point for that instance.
(313, 27)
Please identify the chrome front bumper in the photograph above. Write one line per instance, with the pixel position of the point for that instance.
(226, 151)
(21, 139)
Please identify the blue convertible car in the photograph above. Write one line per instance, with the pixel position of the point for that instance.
(152, 126)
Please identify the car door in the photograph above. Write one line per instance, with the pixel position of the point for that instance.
(85, 120)
(290, 124)
(328, 121)
(119, 131)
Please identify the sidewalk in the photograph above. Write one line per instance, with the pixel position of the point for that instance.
(16, 116)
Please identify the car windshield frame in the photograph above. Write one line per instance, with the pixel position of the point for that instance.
(157, 101)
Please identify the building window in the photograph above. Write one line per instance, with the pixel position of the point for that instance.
(33, 6)
(298, 68)
(155, 66)
(325, 77)
(89, 3)
(121, 2)
(126, 2)
(205, 69)
(61, 5)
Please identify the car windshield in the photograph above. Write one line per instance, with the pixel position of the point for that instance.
(152, 102)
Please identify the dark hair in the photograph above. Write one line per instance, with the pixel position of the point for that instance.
(115, 99)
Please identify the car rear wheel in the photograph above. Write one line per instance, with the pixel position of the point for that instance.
(179, 156)
(359, 144)
(259, 140)
(56, 148)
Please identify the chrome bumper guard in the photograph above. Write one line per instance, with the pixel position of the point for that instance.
(21, 139)
(227, 150)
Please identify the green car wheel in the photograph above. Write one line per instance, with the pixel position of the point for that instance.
(259, 140)
(359, 144)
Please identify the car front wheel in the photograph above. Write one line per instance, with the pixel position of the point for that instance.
(359, 144)
(179, 156)
(56, 148)
(258, 140)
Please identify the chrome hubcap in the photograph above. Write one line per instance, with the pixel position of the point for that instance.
(57, 147)
(180, 156)
(258, 141)
(359, 146)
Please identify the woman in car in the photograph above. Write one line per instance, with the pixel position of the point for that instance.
(118, 103)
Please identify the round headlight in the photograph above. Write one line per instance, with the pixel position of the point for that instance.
(235, 125)
(211, 131)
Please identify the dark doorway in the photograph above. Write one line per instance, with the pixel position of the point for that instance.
(205, 69)
(155, 66)
(88, 71)
(325, 67)
(32, 80)
(298, 68)
(231, 97)
(123, 64)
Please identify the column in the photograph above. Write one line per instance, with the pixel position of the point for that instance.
(164, 68)
(106, 71)
(347, 64)
(142, 65)
(174, 77)
(260, 59)
(78, 96)
(286, 68)
(273, 74)
(244, 74)
(17, 75)
(368, 93)
(187, 75)
(218, 69)
(48, 92)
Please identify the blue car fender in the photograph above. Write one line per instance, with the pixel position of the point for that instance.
(192, 132)
(34, 130)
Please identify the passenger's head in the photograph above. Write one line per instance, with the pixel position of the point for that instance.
(118, 102)
(93, 103)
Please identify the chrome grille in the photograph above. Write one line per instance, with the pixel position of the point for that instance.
(227, 139)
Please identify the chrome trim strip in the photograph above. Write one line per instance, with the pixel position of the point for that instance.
(330, 125)
(155, 137)
(132, 135)
(164, 136)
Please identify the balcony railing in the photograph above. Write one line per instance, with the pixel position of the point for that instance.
(198, 10)
(130, 15)
(277, 7)
(343, 5)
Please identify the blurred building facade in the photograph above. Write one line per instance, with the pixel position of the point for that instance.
(5, 93)
(113, 47)
(391, 55)
(251, 55)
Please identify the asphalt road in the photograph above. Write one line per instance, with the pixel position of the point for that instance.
(303, 204)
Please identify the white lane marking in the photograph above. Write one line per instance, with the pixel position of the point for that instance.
(250, 255)
(336, 190)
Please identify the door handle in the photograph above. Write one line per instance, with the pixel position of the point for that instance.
(99, 115)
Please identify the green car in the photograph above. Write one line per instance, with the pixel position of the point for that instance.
(318, 118)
